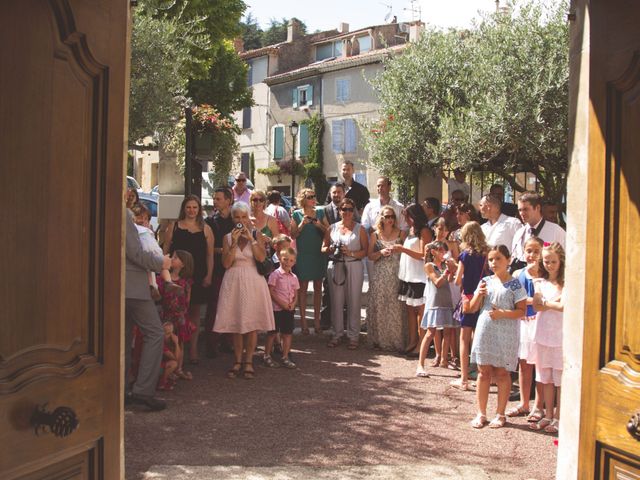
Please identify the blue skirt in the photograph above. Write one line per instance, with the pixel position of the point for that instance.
(438, 318)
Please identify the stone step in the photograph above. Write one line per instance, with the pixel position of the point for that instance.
(368, 472)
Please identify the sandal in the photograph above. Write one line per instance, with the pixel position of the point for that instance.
(184, 375)
(353, 345)
(541, 424)
(421, 372)
(499, 421)
(536, 415)
(269, 362)
(248, 374)
(333, 343)
(435, 362)
(553, 426)
(480, 421)
(305, 331)
(518, 411)
(460, 385)
(235, 370)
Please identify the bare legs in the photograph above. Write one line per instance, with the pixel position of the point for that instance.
(503, 380)
(194, 316)
(244, 346)
(414, 316)
(317, 302)
(424, 346)
(465, 348)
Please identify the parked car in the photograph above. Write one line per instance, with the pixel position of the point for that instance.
(132, 183)
(151, 202)
(155, 190)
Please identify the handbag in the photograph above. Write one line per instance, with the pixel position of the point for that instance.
(266, 266)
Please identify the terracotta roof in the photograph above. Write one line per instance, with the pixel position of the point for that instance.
(328, 65)
(259, 52)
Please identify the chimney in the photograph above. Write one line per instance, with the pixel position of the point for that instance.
(415, 31)
(343, 27)
(238, 44)
(294, 30)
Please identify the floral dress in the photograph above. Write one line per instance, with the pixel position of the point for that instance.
(385, 312)
(496, 342)
(175, 306)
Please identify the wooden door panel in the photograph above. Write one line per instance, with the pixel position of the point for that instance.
(608, 449)
(62, 131)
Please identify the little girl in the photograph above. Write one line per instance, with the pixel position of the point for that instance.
(438, 305)
(495, 344)
(526, 276)
(546, 348)
(171, 357)
(472, 265)
(175, 303)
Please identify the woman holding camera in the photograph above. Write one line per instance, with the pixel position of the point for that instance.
(308, 227)
(347, 244)
(241, 249)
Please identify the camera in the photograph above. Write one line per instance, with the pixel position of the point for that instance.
(336, 252)
(239, 226)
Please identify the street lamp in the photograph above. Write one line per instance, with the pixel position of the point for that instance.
(293, 129)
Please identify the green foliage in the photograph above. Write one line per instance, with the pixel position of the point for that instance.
(226, 84)
(494, 98)
(314, 167)
(251, 33)
(159, 57)
(275, 171)
(254, 37)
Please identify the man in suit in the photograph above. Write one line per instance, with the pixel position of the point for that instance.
(332, 208)
(141, 311)
(352, 189)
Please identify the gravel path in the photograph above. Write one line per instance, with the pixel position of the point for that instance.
(340, 411)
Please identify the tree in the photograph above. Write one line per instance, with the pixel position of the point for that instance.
(516, 118)
(277, 31)
(251, 33)
(492, 98)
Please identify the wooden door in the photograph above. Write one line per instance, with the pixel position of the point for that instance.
(610, 443)
(63, 104)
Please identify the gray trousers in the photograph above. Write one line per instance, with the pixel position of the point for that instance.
(350, 293)
(144, 314)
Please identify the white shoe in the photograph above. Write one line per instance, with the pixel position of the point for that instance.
(421, 372)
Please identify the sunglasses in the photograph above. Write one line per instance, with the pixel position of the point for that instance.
(347, 209)
(241, 179)
(310, 197)
(387, 217)
(257, 200)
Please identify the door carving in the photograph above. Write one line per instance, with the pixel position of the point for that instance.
(62, 148)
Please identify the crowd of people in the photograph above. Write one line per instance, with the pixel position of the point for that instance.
(485, 289)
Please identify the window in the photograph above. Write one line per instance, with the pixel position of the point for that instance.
(344, 136)
(329, 50)
(303, 141)
(244, 162)
(303, 96)
(246, 117)
(250, 75)
(277, 147)
(343, 90)
(364, 43)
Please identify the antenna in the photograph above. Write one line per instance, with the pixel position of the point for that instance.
(389, 12)
(416, 10)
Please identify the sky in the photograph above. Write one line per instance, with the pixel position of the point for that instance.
(327, 14)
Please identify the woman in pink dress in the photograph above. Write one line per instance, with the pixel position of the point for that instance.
(244, 307)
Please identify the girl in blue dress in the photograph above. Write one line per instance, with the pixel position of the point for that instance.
(502, 302)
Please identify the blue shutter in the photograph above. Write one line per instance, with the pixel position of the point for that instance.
(246, 117)
(278, 143)
(295, 97)
(350, 143)
(339, 90)
(337, 136)
(303, 138)
(310, 95)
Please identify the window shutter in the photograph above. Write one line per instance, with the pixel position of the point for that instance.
(350, 144)
(337, 136)
(310, 95)
(250, 75)
(295, 97)
(278, 143)
(342, 90)
(244, 162)
(303, 138)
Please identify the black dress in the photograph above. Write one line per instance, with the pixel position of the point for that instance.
(196, 244)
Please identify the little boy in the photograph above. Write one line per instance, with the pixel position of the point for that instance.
(279, 243)
(283, 287)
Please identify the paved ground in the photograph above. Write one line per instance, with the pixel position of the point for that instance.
(341, 415)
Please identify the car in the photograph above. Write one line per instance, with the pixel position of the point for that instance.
(133, 184)
(151, 202)
(155, 190)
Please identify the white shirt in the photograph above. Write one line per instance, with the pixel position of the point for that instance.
(453, 185)
(371, 213)
(550, 232)
(502, 231)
